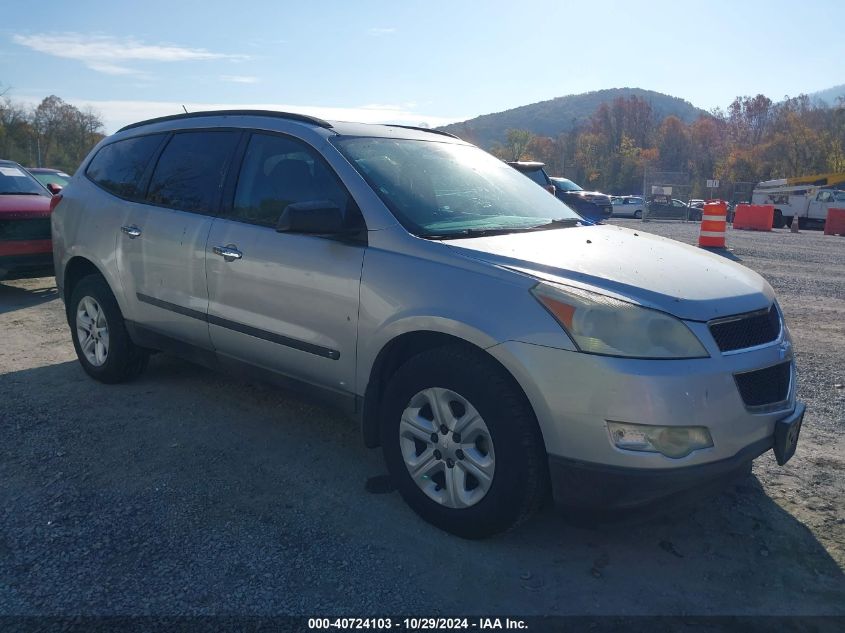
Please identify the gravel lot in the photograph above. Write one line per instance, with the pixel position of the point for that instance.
(189, 492)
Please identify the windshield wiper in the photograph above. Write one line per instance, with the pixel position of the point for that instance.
(20, 193)
(560, 222)
(478, 232)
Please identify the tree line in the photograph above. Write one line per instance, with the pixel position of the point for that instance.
(52, 134)
(755, 139)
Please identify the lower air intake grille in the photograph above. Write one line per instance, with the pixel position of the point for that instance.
(763, 387)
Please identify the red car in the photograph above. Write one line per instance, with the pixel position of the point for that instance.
(26, 249)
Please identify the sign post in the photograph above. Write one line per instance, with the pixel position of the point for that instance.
(712, 185)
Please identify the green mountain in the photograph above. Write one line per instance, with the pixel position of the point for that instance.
(829, 97)
(550, 118)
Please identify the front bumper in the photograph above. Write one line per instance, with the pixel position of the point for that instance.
(586, 485)
(574, 395)
(19, 266)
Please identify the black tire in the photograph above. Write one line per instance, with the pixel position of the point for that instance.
(638, 215)
(520, 480)
(778, 221)
(124, 360)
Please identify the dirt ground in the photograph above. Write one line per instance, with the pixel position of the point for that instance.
(191, 492)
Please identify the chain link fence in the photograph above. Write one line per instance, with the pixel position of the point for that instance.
(667, 194)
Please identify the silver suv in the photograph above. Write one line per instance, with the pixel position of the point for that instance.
(496, 347)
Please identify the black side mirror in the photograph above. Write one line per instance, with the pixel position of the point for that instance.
(54, 188)
(315, 217)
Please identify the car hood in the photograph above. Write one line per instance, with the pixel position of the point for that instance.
(653, 271)
(590, 196)
(24, 206)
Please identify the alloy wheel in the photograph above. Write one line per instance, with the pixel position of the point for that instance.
(92, 331)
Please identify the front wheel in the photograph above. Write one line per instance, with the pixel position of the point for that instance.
(462, 444)
(99, 334)
(638, 215)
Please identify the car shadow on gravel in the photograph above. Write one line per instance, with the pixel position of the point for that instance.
(189, 491)
(13, 297)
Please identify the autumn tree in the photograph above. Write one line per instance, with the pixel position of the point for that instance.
(517, 142)
(673, 143)
(64, 133)
(753, 139)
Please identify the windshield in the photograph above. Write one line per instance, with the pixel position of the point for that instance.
(56, 178)
(565, 184)
(15, 180)
(441, 189)
(839, 196)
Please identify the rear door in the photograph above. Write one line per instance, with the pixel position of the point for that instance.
(285, 302)
(162, 245)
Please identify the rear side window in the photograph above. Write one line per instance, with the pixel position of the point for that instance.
(119, 167)
(191, 171)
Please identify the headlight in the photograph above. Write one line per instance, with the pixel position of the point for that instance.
(604, 325)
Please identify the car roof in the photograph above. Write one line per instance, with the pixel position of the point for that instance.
(341, 128)
(525, 164)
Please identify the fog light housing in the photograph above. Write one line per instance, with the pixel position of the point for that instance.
(671, 441)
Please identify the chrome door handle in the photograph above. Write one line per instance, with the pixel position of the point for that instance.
(229, 252)
(132, 231)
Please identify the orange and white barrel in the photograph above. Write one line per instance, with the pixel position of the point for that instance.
(713, 224)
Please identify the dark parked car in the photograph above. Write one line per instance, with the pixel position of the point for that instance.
(25, 205)
(536, 172)
(593, 205)
(53, 179)
(662, 207)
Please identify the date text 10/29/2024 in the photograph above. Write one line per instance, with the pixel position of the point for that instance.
(418, 624)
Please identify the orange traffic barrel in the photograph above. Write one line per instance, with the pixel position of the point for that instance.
(713, 224)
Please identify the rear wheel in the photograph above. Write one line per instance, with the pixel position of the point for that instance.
(462, 444)
(777, 220)
(99, 334)
(638, 215)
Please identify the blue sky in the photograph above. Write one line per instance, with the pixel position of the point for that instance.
(413, 62)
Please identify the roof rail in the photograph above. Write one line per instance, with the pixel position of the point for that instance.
(422, 129)
(304, 118)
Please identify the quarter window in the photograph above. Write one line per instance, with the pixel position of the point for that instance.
(119, 167)
(191, 170)
(278, 171)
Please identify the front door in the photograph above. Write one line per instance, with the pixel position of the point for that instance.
(282, 301)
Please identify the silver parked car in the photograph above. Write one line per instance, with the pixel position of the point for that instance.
(628, 206)
(493, 345)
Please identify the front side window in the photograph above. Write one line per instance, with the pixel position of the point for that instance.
(278, 171)
(564, 184)
(440, 189)
(120, 166)
(191, 170)
(538, 176)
